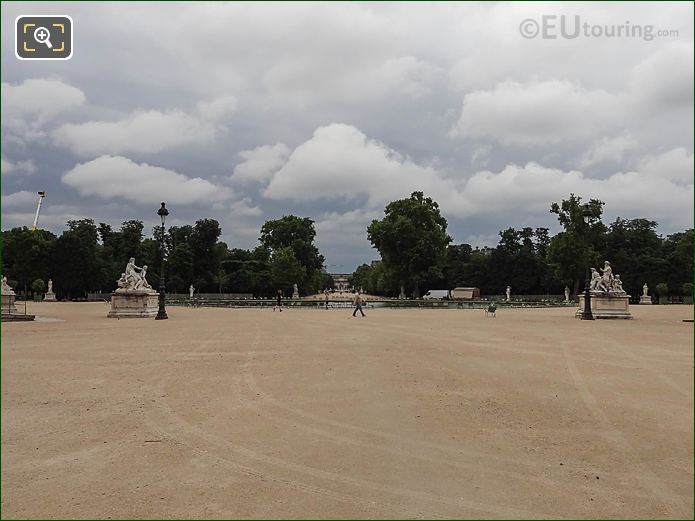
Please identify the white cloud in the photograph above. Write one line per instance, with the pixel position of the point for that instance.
(261, 163)
(665, 78)
(218, 109)
(339, 161)
(22, 198)
(140, 132)
(537, 112)
(675, 165)
(27, 107)
(10, 167)
(608, 150)
(244, 208)
(109, 177)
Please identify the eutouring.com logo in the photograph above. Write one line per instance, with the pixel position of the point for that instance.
(552, 27)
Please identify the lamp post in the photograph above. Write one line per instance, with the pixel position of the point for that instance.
(162, 313)
(587, 314)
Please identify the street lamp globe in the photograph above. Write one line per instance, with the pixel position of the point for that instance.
(163, 212)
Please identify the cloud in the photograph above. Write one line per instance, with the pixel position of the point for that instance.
(339, 161)
(22, 198)
(244, 208)
(675, 165)
(10, 167)
(109, 177)
(261, 163)
(30, 105)
(664, 80)
(148, 131)
(218, 109)
(608, 150)
(536, 113)
(531, 188)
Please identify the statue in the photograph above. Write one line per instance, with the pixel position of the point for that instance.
(191, 289)
(122, 283)
(133, 278)
(508, 292)
(295, 291)
(606, 283)
(617, 285)
(6, 288)
(567, 294)
(595, 279)
(142, 282)
(50, 285)
(645, 289)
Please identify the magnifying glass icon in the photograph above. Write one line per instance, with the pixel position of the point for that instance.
(42, 35)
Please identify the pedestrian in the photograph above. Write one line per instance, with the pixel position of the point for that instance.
(278, 303)
(358, 304)
(326, 292)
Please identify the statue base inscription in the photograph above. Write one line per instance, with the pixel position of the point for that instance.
(8, 305)
(49, 297)
(134, 304)
(645, 299)
(608, 305)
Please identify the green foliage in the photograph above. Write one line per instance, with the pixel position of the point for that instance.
(296, 234)
(412, 240)
(38, 286)
(687, 289)
(580, 244)
(662, 289)
(285, 269)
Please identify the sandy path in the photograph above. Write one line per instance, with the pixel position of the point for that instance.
(222, 413)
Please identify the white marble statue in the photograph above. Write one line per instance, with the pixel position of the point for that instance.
(606, 283)
(191, 289)
(595, 280)
(567, 294)
(6, 288)
(645, 290)
(295, 291)
(50, 285)
(142, 282)
(508, 292)
(133, 278)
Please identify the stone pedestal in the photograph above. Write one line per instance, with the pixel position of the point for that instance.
(49, 297)
(607, 305)
(645, 299)
(8, 304)
(134, 304)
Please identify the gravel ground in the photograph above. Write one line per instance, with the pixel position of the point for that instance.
(244, 413)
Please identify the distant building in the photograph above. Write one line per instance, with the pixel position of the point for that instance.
(340, 281)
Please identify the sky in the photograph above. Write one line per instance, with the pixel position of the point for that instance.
(245, 112)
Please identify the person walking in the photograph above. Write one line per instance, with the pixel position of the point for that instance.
(358, 304)
(326, 293)
(278, 303)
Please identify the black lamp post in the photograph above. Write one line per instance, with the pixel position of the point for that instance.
(162, 313)
(587, 314)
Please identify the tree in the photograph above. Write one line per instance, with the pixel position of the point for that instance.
(203, 240)
(297, 234)
(580, 244)
(285, 269)
(412, 240)
(38, 286)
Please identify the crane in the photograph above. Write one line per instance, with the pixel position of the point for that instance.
(38, 209)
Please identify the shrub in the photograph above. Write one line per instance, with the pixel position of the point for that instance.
(38, 286)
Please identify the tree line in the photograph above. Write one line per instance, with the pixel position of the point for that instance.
(89, 258)
(417, 253)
